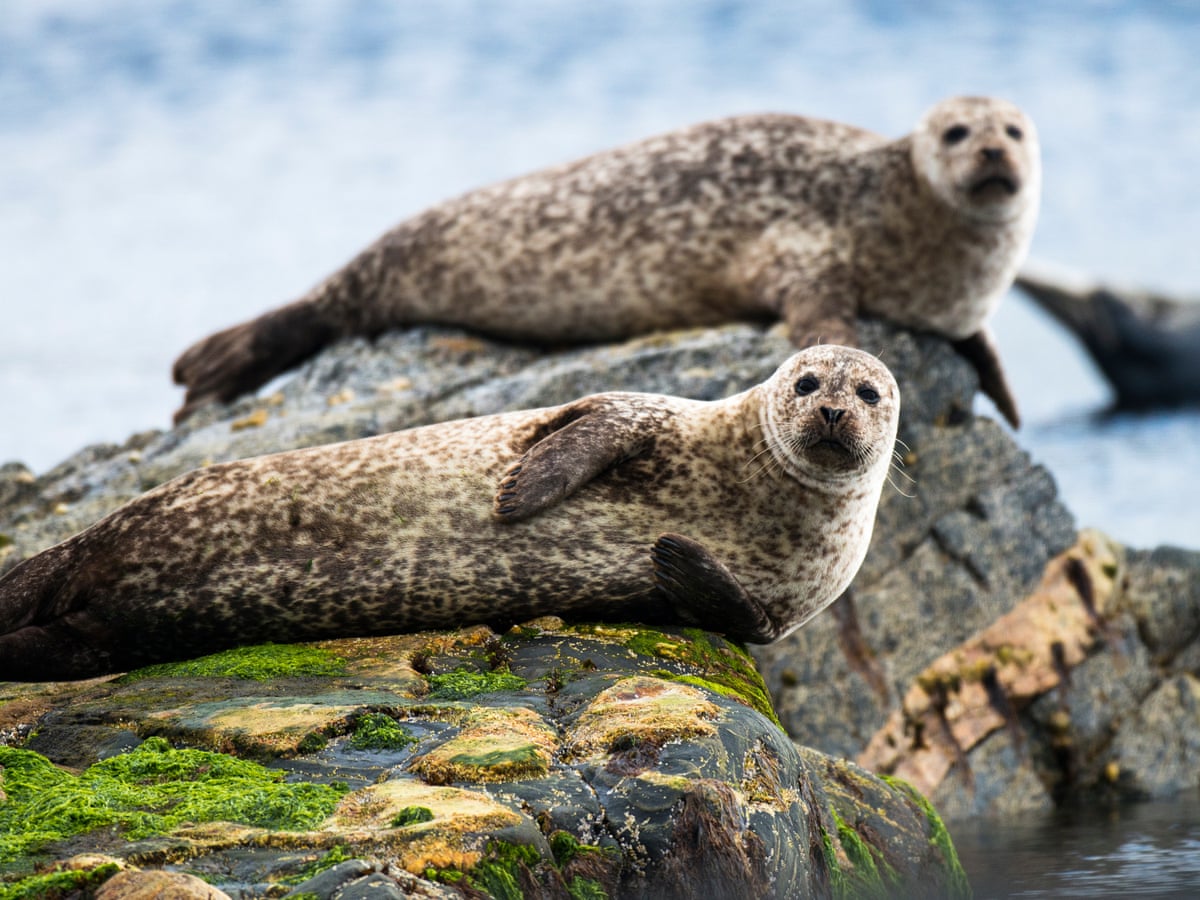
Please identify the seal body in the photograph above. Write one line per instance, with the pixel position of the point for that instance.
(753, 217)
(746, 516)
(1145, 344)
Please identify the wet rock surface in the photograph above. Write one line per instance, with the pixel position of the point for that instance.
(551, 761)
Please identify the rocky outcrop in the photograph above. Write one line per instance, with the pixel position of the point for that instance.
(552, 761)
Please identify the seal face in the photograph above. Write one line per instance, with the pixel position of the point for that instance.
(757, 217)
(981, 156)
(747, 516)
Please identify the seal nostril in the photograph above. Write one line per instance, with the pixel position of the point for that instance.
(992, 154)
(832, 415)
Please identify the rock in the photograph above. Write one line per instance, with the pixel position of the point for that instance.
(551, 761)
(153, 884)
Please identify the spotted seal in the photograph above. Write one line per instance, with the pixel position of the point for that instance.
(753, 217)
(746, 516)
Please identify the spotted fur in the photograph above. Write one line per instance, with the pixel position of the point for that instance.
(495, 519)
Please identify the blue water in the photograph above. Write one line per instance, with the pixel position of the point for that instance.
(167, 168)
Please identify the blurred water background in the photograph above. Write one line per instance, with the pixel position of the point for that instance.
(168, 167)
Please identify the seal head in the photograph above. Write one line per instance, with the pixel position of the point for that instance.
(831, 416)
(980, 155)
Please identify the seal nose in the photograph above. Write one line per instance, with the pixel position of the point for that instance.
(832, 415)
(992, 154)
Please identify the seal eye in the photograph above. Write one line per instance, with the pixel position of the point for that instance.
(868, 395)
(954, 134)
(1014, 132)
(807, 385)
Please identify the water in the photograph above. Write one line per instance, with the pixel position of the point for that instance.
(167, 168)
(1148, 850)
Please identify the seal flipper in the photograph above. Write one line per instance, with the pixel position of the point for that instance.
(593, 436)
(980, 352)
(702, 591)
(814, 307)
(223, 366)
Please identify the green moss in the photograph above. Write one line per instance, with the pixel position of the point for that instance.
(313, 742)
(463, 683)
(865, 879)
(54, 885)
(837, 878)
(445, 876)
(335, 855)
(565, 847)
(586, 889)
(499, 873)
(412, 815)
(727, 669)
(260, 663)
(148, 791)
(378, 731)
(957, 884)
(524, 758)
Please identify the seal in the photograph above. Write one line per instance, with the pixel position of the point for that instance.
(745, 516)
(758, 217)
(1145, 344)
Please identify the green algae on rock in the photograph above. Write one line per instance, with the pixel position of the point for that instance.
(379, 731)
(676, 784)
(261, 662)
(463, 683)
(148, 791)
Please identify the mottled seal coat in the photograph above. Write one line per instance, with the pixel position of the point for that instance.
(754, 217)
(745, 516)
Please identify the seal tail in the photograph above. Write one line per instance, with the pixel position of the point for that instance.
(225, 365)
(37, 640)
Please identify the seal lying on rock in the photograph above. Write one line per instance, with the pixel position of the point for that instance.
(746, 516)
(1146, 345)
(754, 217)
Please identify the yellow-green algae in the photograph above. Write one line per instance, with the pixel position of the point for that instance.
(866, 879)
(939, 836)
(259, 663)
(493, 745)
(52, 885)
(728, 670)
(640, 711)
(148, 791)
(463, 683)
(412, 815)
(379, 731)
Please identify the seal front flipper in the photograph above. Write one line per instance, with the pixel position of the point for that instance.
(590, 436)
(702, 591)
(980, 352)
(814, 307)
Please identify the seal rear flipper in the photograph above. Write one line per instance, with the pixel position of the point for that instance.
(225, 365)
(50, 653)
(702, 591)
(980, 352)
(591, 436)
